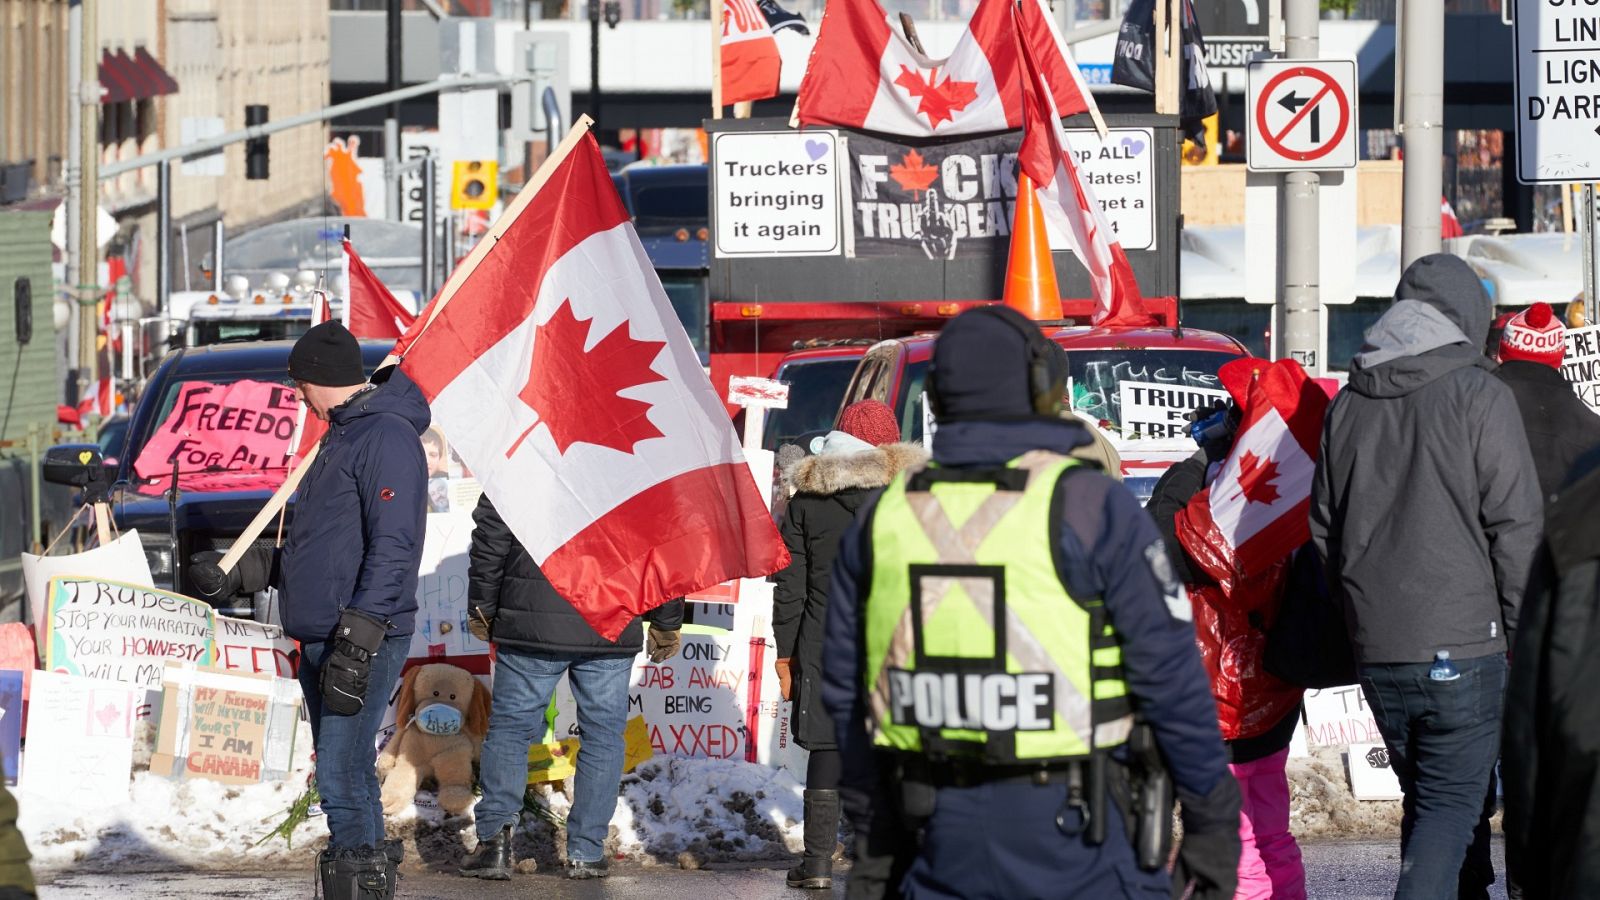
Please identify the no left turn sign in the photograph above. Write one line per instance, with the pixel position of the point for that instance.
(1302, 115)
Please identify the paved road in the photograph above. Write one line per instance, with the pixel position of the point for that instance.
(1346, 869)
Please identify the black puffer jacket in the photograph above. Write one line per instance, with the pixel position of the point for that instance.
(1560, 427)
(829, 490)
(505, 586)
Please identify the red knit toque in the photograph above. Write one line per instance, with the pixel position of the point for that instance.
(871, 421)
(1535, 335)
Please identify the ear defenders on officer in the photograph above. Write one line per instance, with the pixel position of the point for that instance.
(1046, 362)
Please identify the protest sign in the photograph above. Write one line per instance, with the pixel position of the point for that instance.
(1339, 716)
(239, 431)
(441, 625)
(10, 723)
(776, 193)
(80, 739)
(1371, 776)
(240, 645)
(123, 632)
(121, 560)
(953, 198)
(1581, 365)
(225, 726)
(558, 760)
(1160, 411)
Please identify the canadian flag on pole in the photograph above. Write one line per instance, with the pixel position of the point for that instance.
(557, 368)
(863, 73)
(750, 61)
(1066, 198)
(371, 311)
(1257, 510)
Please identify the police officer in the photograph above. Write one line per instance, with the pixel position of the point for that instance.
(1011, 658)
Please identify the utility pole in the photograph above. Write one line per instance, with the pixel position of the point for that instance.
(1299, 332)
(594, 62)
(391, 123)
(86, 276)
(1422, 124)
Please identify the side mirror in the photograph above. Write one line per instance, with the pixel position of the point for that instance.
(76, 465)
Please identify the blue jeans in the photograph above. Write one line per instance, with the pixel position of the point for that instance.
(347, 749)
(523, 685)
(1443, 738)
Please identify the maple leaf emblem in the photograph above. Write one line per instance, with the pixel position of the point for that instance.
(940, 99)
(1255, 479)
(913, 173)
(576, 392)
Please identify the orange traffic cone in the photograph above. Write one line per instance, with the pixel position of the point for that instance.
(1031, 272)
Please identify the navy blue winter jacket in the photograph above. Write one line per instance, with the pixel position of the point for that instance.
(1109, 548)
(360, 515)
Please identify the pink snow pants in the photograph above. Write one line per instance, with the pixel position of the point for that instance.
(1269, 859)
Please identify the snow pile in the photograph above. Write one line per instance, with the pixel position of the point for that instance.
(165, 824)
(1320, 802)
(714, 809)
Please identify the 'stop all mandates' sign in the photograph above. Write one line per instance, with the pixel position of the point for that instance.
(1558, 105)
(123, 632)
(1581, 365)
(776, 193)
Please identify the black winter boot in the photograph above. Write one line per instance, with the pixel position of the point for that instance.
(815, 871)
(491, 859)
(359, 874)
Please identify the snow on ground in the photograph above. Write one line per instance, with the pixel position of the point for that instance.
(684, 812)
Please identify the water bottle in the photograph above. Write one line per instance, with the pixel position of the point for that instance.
(1443, 669)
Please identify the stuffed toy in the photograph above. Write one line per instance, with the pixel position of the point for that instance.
(440, 720)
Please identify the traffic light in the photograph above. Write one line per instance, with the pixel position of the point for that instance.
(255, 149)
(475, 184)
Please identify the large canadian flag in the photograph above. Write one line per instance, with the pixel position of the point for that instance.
(863, 73)
(1257, 510)
(750, 61)
(559, 371)
(1066, 198)
(370, 310)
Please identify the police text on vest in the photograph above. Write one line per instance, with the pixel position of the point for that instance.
(997, 701)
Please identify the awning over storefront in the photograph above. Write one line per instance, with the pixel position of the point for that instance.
(137, 77)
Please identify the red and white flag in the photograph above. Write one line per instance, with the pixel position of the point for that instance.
(559, 371)
(1258, 509)
(370, 310)
(1067, 200)
(309, 429)
(1449, 225)
(750, 61)
(863, 73)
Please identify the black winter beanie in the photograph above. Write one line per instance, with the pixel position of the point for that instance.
(980, 366)
(327, 354)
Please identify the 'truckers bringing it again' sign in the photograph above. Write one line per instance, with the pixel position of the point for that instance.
(239, 429)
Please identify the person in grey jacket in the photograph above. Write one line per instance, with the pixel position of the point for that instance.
(1426, 512)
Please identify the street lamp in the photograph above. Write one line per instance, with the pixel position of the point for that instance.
(612, 10)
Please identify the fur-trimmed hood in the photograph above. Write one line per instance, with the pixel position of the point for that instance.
(831, 473)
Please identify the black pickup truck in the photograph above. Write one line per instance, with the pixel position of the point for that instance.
(198, 518)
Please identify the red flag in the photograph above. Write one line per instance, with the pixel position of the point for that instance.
(1067, 199)
(1257, 510)
(1449, 225)
(559, 371)
(373, 312)
(750, 61)
(863, 73)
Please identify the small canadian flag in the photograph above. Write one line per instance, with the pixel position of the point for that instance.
(1257, 510)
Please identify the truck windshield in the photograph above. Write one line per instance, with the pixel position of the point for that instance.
(816, 388)
(219, 331)
(1144, 394)
(687, 294)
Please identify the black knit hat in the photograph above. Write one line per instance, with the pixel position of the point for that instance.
(327, 355)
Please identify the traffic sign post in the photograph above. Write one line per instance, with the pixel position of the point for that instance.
(1302, 115)
(1558, 111)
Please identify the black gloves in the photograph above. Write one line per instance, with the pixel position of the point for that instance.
(345, 670)
(251, 574)
(1208, 858)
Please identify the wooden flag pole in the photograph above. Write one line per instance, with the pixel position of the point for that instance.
(580, 130)
(716, 59)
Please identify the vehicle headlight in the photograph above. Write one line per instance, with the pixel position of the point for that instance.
(158, 554)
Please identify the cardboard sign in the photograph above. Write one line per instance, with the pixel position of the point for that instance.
(558, 760)
(766, 393)
(121, 560)
(80, 740)
(1157, 411)
(238, 429)
(256, 647)
(123, 632)
(1338, 716)
(10, 724)
(1581, 366)
(441, 624)
(1371, 778)
(776, 193)
(227, 727)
